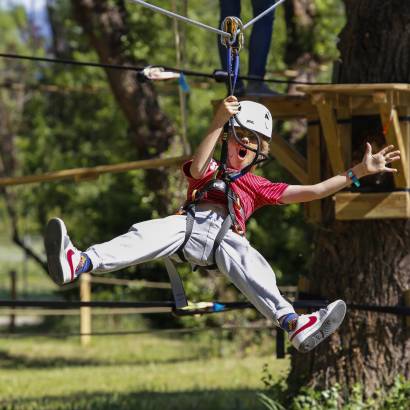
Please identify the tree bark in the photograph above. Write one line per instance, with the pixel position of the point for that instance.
(365, 262)
(106, 25)
(300, 18)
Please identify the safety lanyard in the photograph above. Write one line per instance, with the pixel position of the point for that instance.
(233, 46)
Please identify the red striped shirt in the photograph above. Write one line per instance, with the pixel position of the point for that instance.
(253, 191)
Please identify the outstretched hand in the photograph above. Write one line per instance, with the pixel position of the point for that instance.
(374, 163)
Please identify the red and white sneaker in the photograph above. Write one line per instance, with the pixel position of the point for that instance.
(314, 328)
(62, 256)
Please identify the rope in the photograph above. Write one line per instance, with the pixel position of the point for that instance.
(182, 18)
(217, 75)
(264, 13)
(197, 308)
(69, 304)
(70, 62)
(232, 64)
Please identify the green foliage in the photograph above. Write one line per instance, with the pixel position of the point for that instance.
(330, 18)
(310, 399)
(398, 397)
(269, 403)
(334, 398)
(83, 127)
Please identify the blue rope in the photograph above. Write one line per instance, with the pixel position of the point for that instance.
(233, 69)
(236, 71)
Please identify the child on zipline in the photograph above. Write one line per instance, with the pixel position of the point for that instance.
(233, 255)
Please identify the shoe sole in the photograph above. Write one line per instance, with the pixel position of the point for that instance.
(330, 324)
(53, 243)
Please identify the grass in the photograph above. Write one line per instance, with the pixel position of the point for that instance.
(130, 372)
(141, 372)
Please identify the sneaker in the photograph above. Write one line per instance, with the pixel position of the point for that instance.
(259, 89)
(314, 328)
(62, 256)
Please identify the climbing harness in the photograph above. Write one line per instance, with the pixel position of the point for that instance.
(223, 178)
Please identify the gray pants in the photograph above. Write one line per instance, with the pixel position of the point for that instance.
(159, 238)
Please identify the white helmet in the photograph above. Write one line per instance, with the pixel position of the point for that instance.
(256, 117)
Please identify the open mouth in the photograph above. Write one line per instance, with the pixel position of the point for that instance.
(242, 153)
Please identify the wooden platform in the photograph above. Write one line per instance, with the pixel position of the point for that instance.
(354, 206)
(344, 101)
(329, 110)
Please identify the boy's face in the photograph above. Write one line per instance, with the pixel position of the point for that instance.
(238, 156)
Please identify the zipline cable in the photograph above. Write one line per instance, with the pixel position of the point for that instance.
(217, 75)
(70, 62)
(182, 18)
(264, 13)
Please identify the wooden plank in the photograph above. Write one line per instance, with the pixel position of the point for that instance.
(344, 130)
(289, 158)
(386, 205)
(330, 131)
(356, 89)
(391, 125)
(405, 131)
(283, 107)
(93, 172)
(402, 178)
(358, 97)
(314, 208)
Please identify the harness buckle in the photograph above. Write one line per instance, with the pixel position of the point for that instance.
(193, 195)
(181, 211)
(238, 229)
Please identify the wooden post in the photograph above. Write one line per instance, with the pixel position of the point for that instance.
(85, 312)
(289, 158)
(280, 343)
(314, 209)
(344, 129)
(304, 289)
(391, 124)
(13, 296)
(330, 129)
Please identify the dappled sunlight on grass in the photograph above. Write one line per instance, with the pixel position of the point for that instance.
(129, 372)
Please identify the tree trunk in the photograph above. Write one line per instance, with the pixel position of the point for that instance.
(366, 262)
(300, 18)
(11, 109)
(105, 24)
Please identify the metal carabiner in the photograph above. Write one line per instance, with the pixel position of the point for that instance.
(234, 26)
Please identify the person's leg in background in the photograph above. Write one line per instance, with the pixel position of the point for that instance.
(229, 8)
(259, 47)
